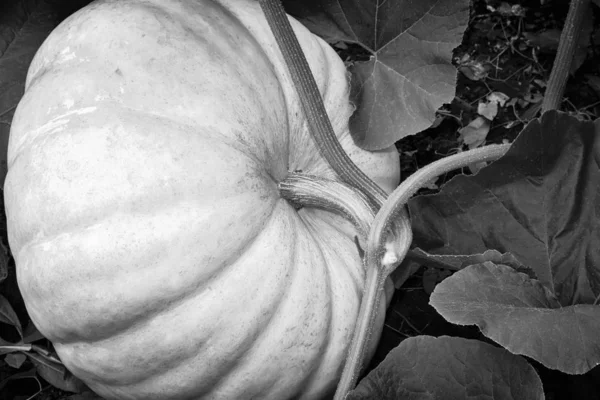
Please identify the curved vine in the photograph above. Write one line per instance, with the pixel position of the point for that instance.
(382, 257)
(390, 235)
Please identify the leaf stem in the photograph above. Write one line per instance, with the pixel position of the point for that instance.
(377, 269)
(569, 40)
(323, 134)
(312, 103)
(379, 263)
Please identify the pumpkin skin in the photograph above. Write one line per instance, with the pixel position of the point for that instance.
(151, 244)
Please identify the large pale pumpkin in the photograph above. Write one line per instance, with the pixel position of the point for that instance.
(151, 243)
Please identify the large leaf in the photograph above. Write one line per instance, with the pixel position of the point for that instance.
(539, 202)
(409, 75)
(24, 24)
(447, 368)
(522, 315)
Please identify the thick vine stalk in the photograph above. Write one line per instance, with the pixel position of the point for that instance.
(569, 40)
(382, 256)
(320, 125)
(312, 104)
(388, 240)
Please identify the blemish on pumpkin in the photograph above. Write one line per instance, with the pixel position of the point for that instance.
(68, 103)
(59, 122)
(66, 55)
(118, 72)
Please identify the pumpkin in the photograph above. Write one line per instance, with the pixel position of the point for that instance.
(152, 245)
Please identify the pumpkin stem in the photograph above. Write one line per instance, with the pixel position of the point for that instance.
(308, 190)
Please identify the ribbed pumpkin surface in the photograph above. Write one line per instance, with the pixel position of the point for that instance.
(151, 244)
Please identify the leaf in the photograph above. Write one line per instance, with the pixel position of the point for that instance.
(474, 134)
(15, 360)
(31, 334)
(539, 202)
(8, 315)
(546, 40)
(447, 368)
(522, 315)
(56, 374)
(489, 107)
(409, 74)
(472, 68)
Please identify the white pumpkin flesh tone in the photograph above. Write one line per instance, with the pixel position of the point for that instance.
(151, 243)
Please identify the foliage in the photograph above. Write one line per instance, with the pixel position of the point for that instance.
(535, 209)
(424, 368)
(539, 203)
(31, 346)
(408, 74)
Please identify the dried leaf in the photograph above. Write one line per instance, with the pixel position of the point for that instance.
(474, 134)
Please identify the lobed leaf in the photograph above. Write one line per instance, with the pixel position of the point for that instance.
(540, 202)
(448, 368)
(409, 74)
(522, 315)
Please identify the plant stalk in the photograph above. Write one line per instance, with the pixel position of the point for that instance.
(388, 243)
(312, 103)
(377, 269)
(321, 129)
(569, 40)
